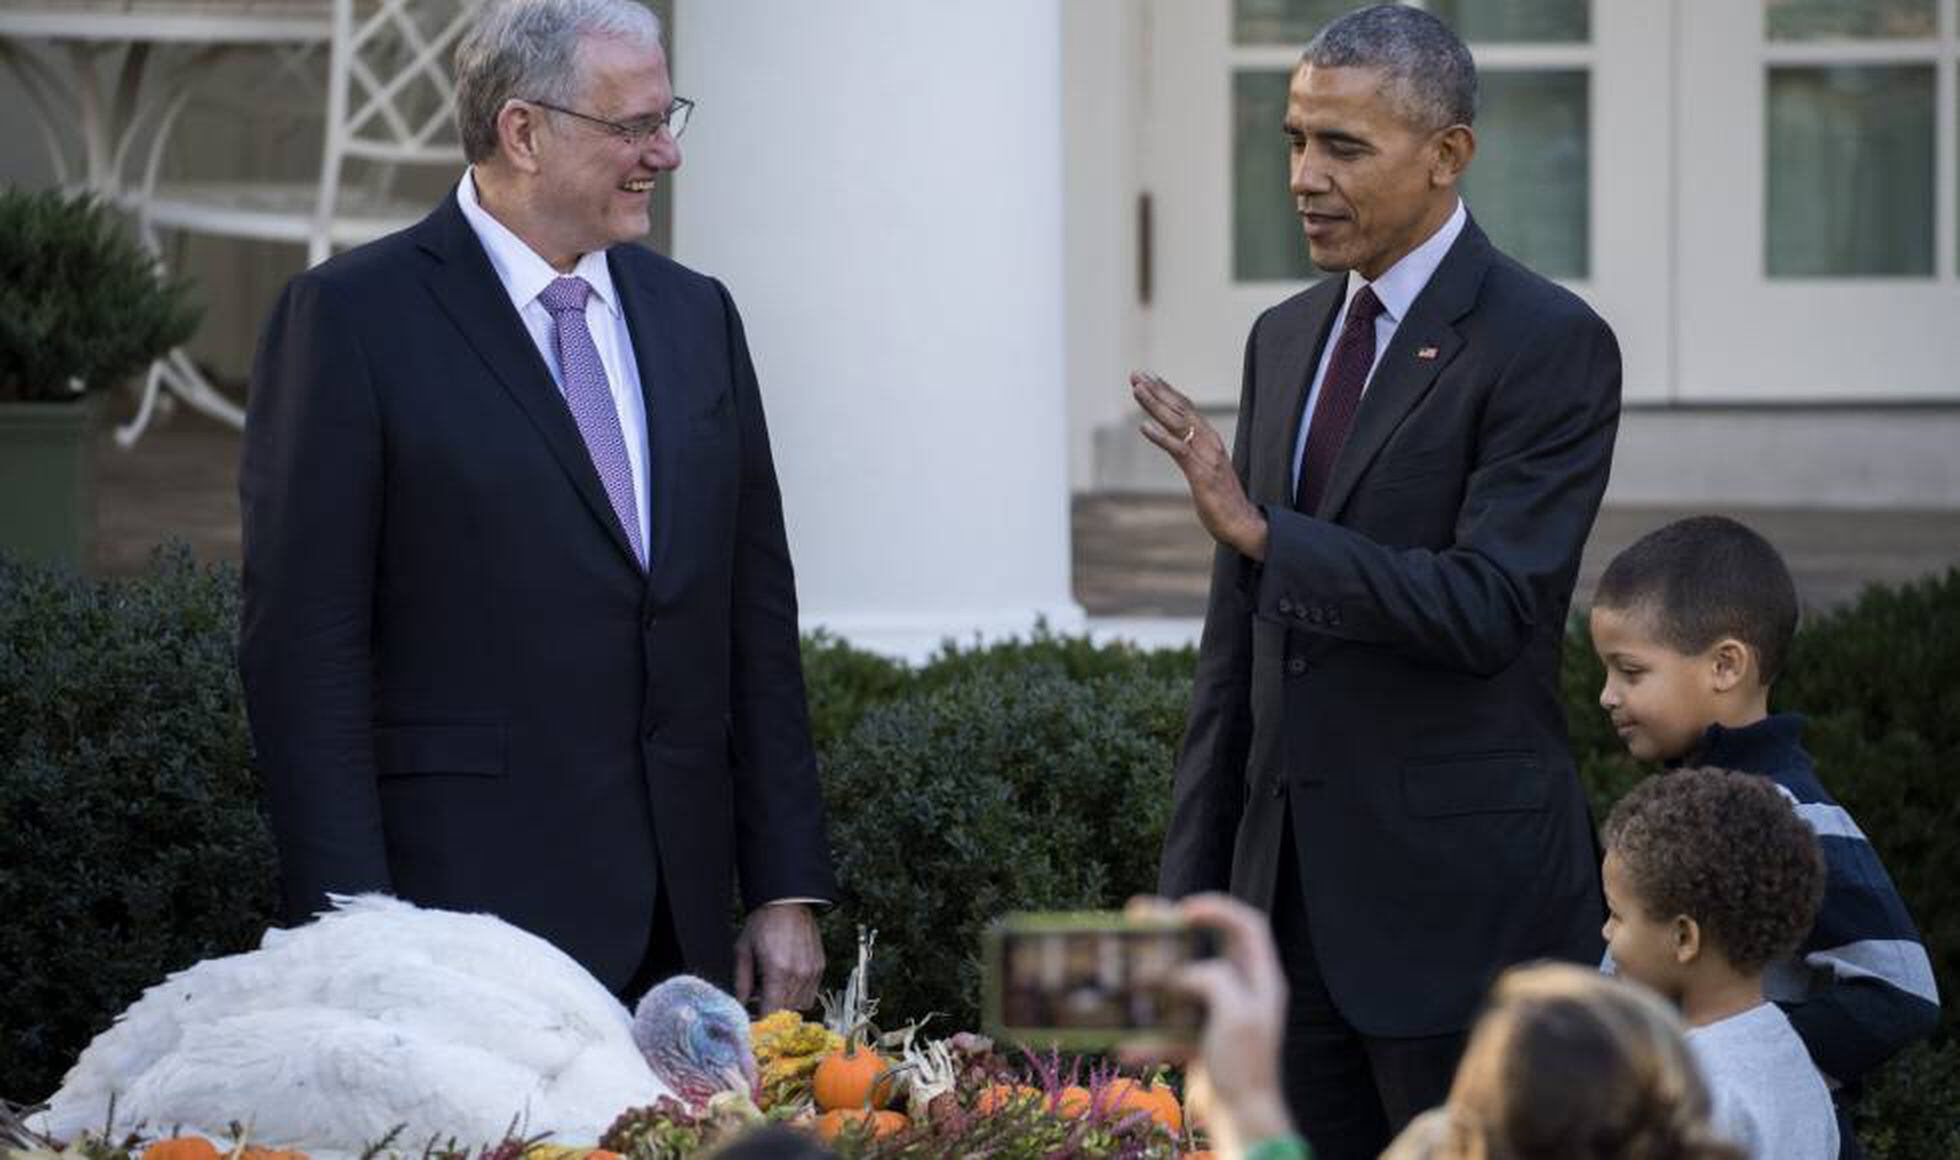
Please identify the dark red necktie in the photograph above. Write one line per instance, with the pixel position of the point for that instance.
(1339, 399)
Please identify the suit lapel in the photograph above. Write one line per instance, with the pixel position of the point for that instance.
(659, 364)
(466, 286)
(1423, 345)
(1293, 358)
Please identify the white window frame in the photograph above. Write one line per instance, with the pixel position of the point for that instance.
(1745, 337)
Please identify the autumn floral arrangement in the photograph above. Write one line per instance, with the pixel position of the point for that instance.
(866, 1094)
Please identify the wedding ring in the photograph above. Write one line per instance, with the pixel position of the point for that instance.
(1190, 433)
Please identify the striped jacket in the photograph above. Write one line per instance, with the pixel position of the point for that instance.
(1860, 989)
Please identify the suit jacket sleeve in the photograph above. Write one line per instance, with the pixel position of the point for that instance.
(782, 851)
(1208, 794)
(1544, 450)
(310, 485)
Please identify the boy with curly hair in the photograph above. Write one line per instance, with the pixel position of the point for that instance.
(1693, 623)
(1710, 876)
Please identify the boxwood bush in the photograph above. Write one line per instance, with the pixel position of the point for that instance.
(998, 790)
(1027, 774)
(130, 838)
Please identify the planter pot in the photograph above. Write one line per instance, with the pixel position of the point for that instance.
(47, 473)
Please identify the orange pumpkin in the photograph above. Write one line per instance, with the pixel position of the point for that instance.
(254, 1152)
(1127, 1096)
(1073, 1101)
(995, 1097)
(603, 1154)
(834, 1123)
(853, 1078)
(1207, 1154)
(182, 1148)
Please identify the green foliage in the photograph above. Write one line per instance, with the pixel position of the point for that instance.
(130, 839)
(78, 299)
(1028, 774)
(997, 791)
(1911, 1109)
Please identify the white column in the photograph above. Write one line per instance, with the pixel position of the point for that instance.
(880, 185)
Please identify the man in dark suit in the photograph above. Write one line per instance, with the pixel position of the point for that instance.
(520, 629)
(1376, 751)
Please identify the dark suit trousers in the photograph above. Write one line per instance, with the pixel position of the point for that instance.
(662, 959)
(1349, 1093)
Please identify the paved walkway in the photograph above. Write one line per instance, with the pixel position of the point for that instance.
(1138, 558)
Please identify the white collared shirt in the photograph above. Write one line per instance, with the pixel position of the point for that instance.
(1396, 289)
(525, 275)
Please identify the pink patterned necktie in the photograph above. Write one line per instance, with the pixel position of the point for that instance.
(591, 400)
(1340, 398)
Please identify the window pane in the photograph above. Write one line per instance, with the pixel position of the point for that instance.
(1812, 19)
(1266, 238)
(1516, 21)
(1850, 178)
(1529, 185)
(1284, 21)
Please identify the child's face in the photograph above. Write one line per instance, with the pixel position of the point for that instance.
(1661, 701)
(1646, 949)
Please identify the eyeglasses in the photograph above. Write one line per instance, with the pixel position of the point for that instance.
(635, 133)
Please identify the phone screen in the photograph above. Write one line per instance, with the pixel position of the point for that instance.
(1089, 979)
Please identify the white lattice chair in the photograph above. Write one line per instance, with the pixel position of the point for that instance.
(390, 101)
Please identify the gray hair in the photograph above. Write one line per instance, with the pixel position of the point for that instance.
(528, 50)
(1428, 71)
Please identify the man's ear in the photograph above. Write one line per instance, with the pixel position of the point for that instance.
(518, 126)
(1687, 939)
(1731, 663)
(1453, 149)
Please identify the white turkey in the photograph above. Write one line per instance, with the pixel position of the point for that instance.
(380, 1015)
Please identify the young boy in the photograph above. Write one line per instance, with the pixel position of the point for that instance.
(1693, 623)
(1710, 877)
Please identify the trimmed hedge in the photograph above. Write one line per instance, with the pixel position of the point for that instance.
(1030, 774)
(996, 791)
(130, 839)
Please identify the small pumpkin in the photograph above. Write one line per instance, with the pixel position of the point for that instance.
(254, 1152)
(182, 1148)
(1074, 1101)
(836, 1122)
(995, 1097)
(1127, 1096)
(853, 1078)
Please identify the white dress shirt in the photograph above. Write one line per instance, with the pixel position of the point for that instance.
(525, 275)
(1396, 289)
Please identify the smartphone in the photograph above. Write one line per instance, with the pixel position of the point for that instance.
(1088, 980)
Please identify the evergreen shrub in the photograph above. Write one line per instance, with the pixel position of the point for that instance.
(79, 300)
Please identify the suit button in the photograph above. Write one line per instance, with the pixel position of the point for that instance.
(1299, 612)
(1314, 615)
(650, 732)
(1297, 666)
(1279, 789)
(1285, 606)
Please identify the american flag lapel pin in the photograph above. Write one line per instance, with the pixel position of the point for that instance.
(1427, 352)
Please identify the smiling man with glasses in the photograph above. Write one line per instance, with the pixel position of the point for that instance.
(520, 628)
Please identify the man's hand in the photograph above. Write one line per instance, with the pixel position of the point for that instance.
(782, 940)
(1174, 425)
